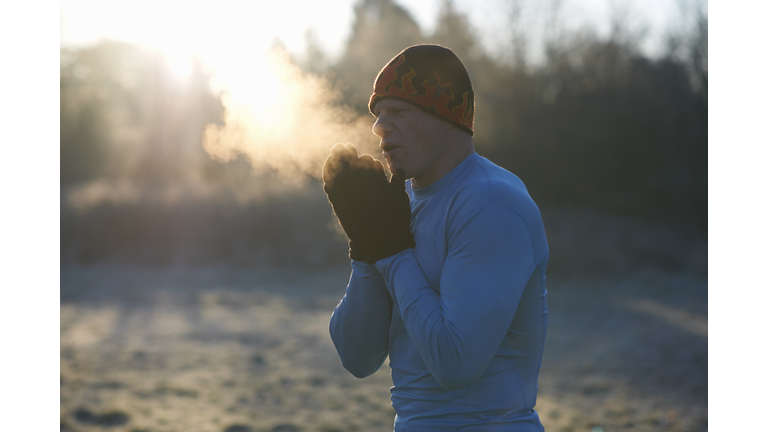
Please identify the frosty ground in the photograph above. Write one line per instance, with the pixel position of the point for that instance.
(234, 350)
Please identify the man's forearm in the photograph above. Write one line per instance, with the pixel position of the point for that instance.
(359, 326)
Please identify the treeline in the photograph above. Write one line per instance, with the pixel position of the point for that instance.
(593, 122)
(124, 115)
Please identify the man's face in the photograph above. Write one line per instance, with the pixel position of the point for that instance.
(411, 139)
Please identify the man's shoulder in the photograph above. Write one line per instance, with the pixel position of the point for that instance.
(489, 184)
(490, 190)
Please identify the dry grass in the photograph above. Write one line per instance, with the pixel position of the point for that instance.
(626, 354)
(225, 350)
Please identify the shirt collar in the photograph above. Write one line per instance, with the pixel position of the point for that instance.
(446, 181)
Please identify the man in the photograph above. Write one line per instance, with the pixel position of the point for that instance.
(447, 267)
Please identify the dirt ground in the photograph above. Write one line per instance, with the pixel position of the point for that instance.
(232, 350)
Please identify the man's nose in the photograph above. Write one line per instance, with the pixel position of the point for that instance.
(382, 127)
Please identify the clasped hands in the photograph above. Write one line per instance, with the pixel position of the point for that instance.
(373, 212)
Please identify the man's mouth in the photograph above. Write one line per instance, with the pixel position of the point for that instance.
(387, 148)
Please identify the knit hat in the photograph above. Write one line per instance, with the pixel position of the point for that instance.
(434, 79)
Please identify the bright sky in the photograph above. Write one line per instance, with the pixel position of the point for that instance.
(204, 27)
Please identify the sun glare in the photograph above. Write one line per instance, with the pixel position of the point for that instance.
(280, 117)
(255, 81)
(180, 64)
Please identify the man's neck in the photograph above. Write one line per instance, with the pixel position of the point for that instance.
(453, 160)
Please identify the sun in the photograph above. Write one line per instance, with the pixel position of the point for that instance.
(255, 80)
(180, 63)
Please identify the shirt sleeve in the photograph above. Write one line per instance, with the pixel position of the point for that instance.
(360, 323)
(457, 331)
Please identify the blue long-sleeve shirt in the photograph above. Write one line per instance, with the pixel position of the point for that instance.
(463, 315)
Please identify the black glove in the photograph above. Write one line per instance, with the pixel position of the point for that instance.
(374, 213)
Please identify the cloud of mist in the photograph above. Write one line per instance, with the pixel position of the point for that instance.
(284, 120)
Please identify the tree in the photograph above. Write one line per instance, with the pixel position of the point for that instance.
(688, 42)
(315, 58)
(453, 31)
(124, 115)
(381, 29)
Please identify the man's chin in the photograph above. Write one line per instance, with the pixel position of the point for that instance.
(394, 166)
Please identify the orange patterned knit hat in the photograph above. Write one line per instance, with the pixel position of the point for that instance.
(434, 79)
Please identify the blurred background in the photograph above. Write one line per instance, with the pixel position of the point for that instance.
(607, 116)
(192, 137)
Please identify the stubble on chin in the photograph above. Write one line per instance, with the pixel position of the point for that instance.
(394, 166)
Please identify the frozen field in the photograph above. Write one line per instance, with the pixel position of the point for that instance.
(222, 350)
